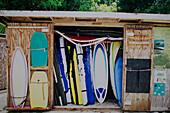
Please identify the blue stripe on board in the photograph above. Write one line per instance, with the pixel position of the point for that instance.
(60, 60)
(102, 48)
(89, 85)
(97, 47)
(118, 78)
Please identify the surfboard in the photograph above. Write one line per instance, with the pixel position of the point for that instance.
(66, 79)
(77, 79)
(100, 69)
(39, 49)
(91, 63)
(71, 71)
(82, 73)
(18, 78)
(59, 94)
(118, 79)
(89, 85)
(113, 53)
(39, 90)
(60, 61)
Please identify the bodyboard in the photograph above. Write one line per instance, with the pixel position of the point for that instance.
(39, 90)
(82, 73)
(39, 49)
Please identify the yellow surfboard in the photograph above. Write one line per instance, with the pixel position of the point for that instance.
(71, 81)
(39, 90)
(77, 77)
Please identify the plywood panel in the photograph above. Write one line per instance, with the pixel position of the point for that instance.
(138, 44)
(20, 35)
(3, 82)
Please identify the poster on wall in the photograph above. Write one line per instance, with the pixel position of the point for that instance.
(158, 46)
(159, 83)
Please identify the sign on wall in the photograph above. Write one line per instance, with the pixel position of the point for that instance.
(159, 83)
(158, 46)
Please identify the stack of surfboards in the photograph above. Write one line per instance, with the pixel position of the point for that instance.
(116, 67)
(84, 76)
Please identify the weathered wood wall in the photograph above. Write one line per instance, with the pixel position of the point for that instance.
(161, 103)
(19, 34)
(3, 81)
(138, 44)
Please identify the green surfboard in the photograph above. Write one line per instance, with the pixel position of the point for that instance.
(39, 49)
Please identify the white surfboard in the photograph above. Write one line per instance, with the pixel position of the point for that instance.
(100, 69)
(113, 53)
(18, 78)
(62, 47)
(82, 73)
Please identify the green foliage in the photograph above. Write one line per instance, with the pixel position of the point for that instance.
(104, 7)
(144, 6)
(159, 6)
(133, 6)
(2, 28)
(59, 5)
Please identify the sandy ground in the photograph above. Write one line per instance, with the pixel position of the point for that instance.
(3, 95)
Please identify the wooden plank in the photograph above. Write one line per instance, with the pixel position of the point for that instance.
(107, 20)
(8, 77)
(39, 68)
(27, 109)
(63, 19)
(51, 68)
(151, 51)
(124, 71)
(3, 63)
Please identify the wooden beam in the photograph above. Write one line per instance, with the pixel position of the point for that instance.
(63, 19)
(29, 18)
(52, 18)
(88, 19)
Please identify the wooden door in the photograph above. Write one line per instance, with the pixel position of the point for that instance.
(137, 67)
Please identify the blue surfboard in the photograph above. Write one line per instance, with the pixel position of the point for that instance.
(89, 85)
(118, 78)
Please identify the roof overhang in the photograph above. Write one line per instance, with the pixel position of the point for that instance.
(75, 18)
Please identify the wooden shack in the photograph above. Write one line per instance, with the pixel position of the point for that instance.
(138, 32)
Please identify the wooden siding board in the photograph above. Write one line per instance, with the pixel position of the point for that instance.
(3, 77)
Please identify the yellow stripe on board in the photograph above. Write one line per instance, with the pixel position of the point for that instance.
(78, 84)
(71, 81)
